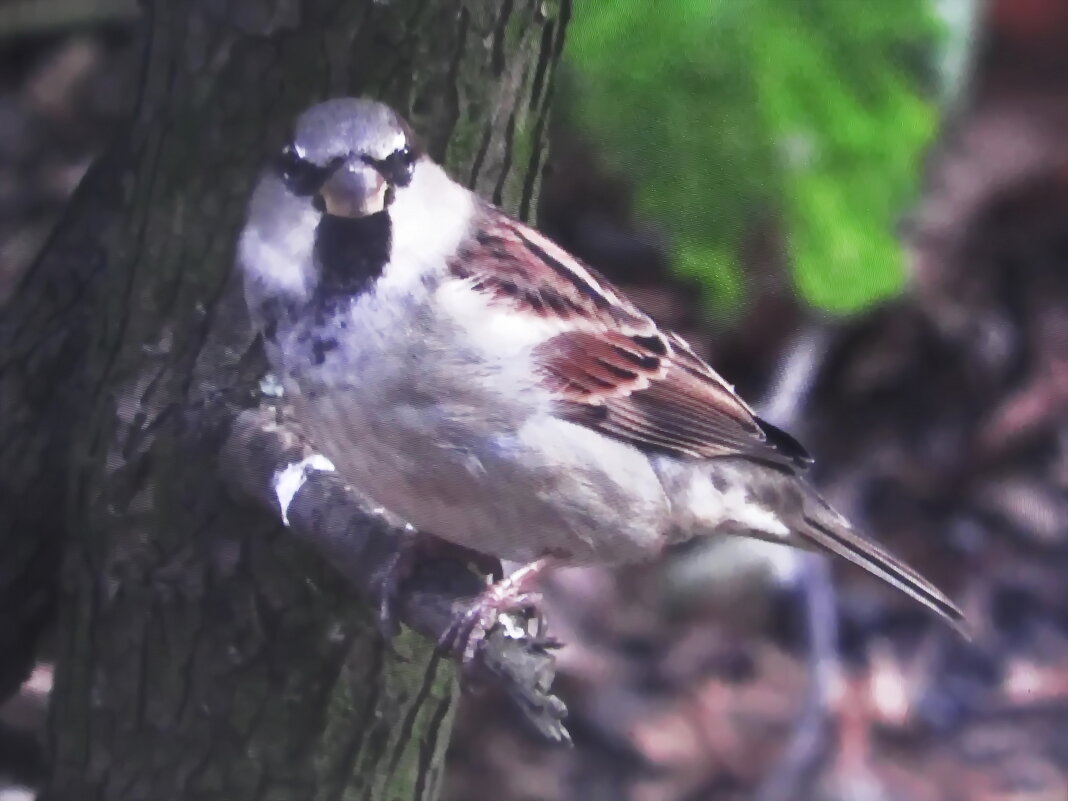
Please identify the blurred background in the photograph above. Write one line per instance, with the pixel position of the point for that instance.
(859, 213)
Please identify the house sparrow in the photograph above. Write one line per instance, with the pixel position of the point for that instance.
(468, 374)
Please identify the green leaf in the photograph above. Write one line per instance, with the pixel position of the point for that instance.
(723, 109)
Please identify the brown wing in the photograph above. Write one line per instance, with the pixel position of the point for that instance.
(610, 367)
(516, 264)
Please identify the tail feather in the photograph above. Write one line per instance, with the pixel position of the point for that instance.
(832, 533)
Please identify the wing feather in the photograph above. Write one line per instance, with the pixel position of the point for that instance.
(609, 367)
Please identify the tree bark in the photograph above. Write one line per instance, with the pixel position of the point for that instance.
(202, 651)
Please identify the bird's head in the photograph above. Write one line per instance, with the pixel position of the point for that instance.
(349, 157)
(348, 199)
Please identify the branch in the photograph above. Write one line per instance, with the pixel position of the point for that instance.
(808, 740)
(265, 460)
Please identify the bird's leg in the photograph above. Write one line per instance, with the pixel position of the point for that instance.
(511, 594)
(387, 585)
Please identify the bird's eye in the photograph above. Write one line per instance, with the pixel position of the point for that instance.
(300, 175)
(397, 167)
(405, 165)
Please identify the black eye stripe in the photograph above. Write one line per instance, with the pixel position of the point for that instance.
(300, 175)
(397, 167)
(304, 177)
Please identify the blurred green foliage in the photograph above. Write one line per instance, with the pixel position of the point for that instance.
(725, 111)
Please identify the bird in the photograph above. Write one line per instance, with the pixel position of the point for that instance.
(465, 372)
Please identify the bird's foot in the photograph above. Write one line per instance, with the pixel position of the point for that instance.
(512, 594)
(387, 585)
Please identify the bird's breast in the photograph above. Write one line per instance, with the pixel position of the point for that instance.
(435, 413)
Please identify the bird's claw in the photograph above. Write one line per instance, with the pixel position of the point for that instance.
(469, 630)
(512, 594)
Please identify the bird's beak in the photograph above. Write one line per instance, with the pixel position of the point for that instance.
(354, 190)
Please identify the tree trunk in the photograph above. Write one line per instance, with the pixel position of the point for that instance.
(202, 652)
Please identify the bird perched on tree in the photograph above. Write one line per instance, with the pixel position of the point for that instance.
(471, 376)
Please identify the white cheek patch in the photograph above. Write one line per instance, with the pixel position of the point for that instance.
(430, 218)
(289, 480)
(276, 245)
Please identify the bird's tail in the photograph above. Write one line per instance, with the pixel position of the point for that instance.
(826, 530)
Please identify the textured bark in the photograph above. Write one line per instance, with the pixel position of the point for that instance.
(202, 652)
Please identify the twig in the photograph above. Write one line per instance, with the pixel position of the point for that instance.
(260, 456)
(807, 743)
